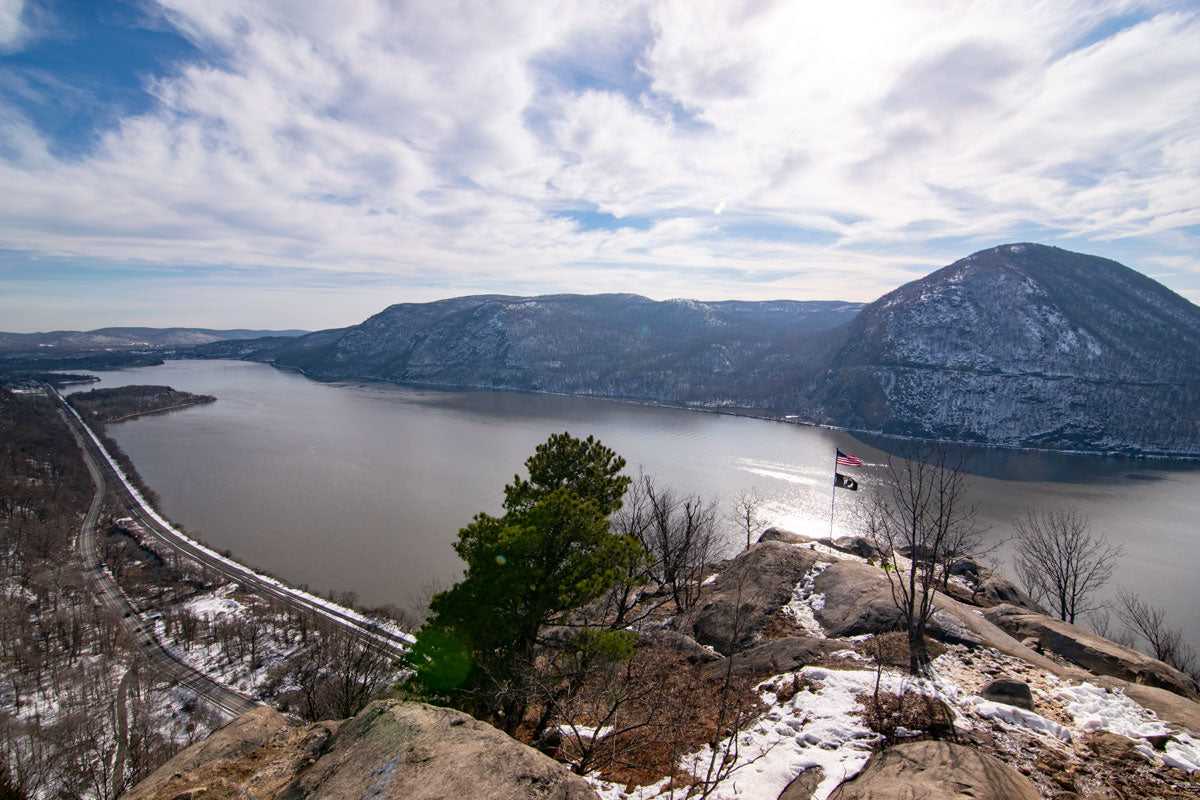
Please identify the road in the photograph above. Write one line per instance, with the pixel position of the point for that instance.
(221, 697)
(392, 643)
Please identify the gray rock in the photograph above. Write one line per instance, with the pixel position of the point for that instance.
(1010, 691)
(1091, 651)
(236, 738)
(692, 650)
(997, 590)
(860, 546)
(412, 751)
(748, 591)
(803, 785)
(936, 771)
(858, 600)
(787, 537)
(965, 568)
(779, 656)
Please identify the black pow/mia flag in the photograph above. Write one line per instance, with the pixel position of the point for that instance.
(841, 481)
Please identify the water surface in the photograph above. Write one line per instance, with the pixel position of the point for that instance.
(363, 486)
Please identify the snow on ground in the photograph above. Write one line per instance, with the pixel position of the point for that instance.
(1094, 708)
(820, 725)
(805, 601)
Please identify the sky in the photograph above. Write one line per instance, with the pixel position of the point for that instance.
(295, 164)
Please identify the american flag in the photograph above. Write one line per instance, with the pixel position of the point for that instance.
(846, 460)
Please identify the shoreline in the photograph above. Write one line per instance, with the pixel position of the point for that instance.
(747, 413)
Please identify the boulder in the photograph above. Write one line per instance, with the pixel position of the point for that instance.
(858, 600)
(747, 592)
(1010, 691)
(803, 785)
(395, 750)
(787, 537)
(861, 546)
(965, 568)
(391, 750)
(996, 590)
(779, 656)
(242, 735)
(936, 771)
(1091, 651)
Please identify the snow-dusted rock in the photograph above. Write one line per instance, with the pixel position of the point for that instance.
(748, 591)
(1091, 651)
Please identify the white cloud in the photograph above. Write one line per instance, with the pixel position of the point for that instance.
(12, 28)
(761, 149)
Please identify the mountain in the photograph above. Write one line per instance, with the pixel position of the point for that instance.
(1023, 345)
(750, 354)
(1020, 345)
(125, 338)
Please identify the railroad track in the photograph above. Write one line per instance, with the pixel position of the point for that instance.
(221, 697)
(106, 473)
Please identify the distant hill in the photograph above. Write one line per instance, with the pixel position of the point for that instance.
(749, 354)
(1020, 345)
(1023, 345)
(125, 338)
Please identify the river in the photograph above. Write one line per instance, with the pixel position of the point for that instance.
(363, 486)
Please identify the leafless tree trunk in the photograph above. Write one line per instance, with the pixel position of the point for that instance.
(920, 515)
(1149, 623)
(1061, 561)
(745, 509)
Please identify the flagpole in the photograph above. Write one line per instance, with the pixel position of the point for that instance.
(833, 498)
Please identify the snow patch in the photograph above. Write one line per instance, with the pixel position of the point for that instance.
(805, 601)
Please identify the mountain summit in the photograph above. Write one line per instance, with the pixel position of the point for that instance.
(1025, 345)
(1020, 345)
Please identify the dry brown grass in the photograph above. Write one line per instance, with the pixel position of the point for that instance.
(891, 649)
(886, 713)
(668, 708)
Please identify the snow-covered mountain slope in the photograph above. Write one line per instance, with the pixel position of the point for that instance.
(1024, 345)
(618, 345)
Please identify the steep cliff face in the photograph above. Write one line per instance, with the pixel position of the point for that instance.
(1024, 345)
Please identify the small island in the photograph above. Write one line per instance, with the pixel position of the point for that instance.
(127, 402)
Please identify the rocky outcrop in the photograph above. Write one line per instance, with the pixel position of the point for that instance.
(250, 732)
(747, 592)
(779, 656)
(392, 750)
(997, 590)
(936, 771)
(1091, 651)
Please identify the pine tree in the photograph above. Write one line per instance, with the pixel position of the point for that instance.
(551, 552)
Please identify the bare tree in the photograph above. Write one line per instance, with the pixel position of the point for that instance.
(680, 539)
(1149, 624)
(1061, 561)
(745, 509)
(920, 515)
